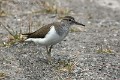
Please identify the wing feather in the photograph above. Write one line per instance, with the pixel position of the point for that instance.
(40, 33)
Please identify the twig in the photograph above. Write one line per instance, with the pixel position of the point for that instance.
(20, 30)
(11, 28)
(7, 29)
(30, 23)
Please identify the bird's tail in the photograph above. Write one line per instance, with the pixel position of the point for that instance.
(25, 36)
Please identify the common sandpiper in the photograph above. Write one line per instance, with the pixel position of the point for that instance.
(52, 34)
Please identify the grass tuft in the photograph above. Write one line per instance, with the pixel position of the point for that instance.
(52, 9)
(66, 66)
(13, 36)
(106, 49)
(2, 75)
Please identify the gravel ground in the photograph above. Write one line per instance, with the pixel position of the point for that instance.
(90, 53)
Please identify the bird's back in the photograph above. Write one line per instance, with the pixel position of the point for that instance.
(40, 33)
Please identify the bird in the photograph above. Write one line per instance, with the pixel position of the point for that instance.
(52, 33)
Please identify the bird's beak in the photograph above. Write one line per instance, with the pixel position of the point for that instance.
(77, 23)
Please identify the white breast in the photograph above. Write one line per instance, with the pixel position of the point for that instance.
(51, 38)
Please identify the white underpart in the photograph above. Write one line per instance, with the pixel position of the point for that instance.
(50, 39)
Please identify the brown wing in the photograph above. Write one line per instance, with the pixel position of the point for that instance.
(40, 33)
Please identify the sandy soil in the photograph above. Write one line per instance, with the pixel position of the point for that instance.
(90, 53)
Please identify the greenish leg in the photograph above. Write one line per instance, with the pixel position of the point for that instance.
(49, 52)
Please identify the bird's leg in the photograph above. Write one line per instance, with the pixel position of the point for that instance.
(49, 52)
(47, 49)
(50, 49)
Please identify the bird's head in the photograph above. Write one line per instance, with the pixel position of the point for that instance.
(70, 20)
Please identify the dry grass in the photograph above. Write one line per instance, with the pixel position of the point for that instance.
(2, 75)
(51, 8)
(2, 12)
(66, 66)
(13, 36)
(104, 49)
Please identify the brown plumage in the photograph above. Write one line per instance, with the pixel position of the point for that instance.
(41, 33)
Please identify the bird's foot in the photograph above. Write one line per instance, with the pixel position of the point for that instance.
(49, 59)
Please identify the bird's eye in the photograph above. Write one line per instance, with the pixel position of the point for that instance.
(70, 20)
